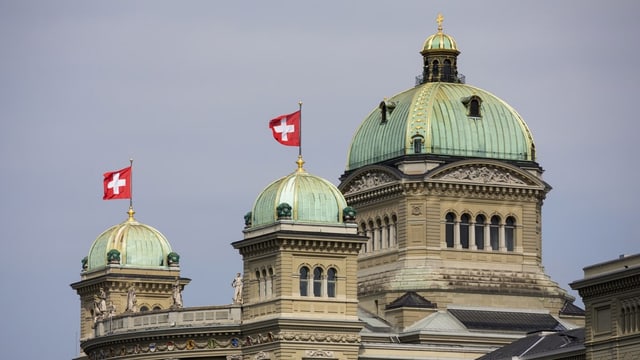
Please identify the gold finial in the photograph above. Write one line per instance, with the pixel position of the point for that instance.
(439, 20)
(300, 162)
(131, 212)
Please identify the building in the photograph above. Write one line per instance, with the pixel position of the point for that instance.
(429, 248)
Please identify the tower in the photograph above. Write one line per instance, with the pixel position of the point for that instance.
(299, 252)
(130, 269)
(449, 193)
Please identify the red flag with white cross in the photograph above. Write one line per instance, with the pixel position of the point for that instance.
(117, 184)
(286, 129)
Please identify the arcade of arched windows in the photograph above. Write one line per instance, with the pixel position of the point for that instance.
(318, 281)
(265, 280)
(630, 316)
(382, 233)
(480, 232)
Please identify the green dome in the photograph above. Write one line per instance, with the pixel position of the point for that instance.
(139, 245)
(440, 41)
(312, 200)
(451, 119)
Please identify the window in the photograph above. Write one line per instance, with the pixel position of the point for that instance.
(363, 231)
(331, 282)
(144, 308)
(510, 233)
(479, 231)
(494, 232)
(156, 308)
(416, 142)
(263, 282)
(259, 281)
(464, 230)
(449, 229)
(474, 108)
(270, 283)
(317, 282)
(436, 70)
(304, 281)
(447, 71)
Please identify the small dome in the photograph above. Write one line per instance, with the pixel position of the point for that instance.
(312, 199)
(138, 245)
(439, 40)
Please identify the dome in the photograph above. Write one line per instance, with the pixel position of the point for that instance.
(440, 118)
(439, 40)
(139, 245)
(312, 199)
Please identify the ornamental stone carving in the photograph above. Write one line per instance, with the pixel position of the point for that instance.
(482, 175)
(318, 354)
(368, 180)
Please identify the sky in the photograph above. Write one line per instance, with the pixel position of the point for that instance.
(186, 89)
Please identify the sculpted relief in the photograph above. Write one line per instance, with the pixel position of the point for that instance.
(482, 174)
(368, 180)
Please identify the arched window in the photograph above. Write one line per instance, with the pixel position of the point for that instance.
(449, 229)
(494, 232)
(304, 281)
(417, 142)
(263, 280)
(270, 283)
(479, 231)
(363, 231)
(387, 233)
(474, 108)
(144, 308)
(447, 71)
(259, 281)
(372, 237)
(317, 282)
(510, 233)
(436, 70)
(331, 282)
(156, 308)
(379, 234)
(465, 219)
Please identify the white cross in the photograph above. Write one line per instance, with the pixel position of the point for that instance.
(116, 183)
(284, 129)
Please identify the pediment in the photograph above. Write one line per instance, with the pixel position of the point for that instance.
(485, 173)
(367, 179)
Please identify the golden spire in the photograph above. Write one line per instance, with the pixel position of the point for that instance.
(300, 162)
(439, 20)
(131, 212)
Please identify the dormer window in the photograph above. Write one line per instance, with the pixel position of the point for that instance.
(473, 103)
(386, 108)
(416, 143)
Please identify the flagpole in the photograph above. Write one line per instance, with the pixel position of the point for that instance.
(131, 185)
(300, 145)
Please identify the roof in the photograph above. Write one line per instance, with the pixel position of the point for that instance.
(311, 199)
(438, 115)
(540, 345)
(411, 299)
(506, 320)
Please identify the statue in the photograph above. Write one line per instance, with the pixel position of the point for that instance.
(99, 305)
(173, 259)
(284, 211)
(131, 300)
(85, 263)
(113, 256)
(237, 289)
(177, 296)
(349, 214)
(247, 219)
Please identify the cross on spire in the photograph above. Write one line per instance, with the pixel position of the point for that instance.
(439, 20)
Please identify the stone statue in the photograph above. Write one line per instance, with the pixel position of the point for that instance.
(99, 305)
(177, 296)
(113, 256)
(237, 289)
(247, 219)
(349, 214)
(173, 259)
(131, 300)
(284, 211)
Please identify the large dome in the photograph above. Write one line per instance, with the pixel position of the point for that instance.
(139, 245)
(312, 199)
(438, 115)
(441, 116)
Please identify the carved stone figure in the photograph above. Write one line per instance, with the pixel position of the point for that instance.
(131, 300)
(237, 289)
(85, 263)
(99, 305)
(247, 219)
(284, 211)
(177, 296)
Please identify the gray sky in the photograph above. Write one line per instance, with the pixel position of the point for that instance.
(186, 88)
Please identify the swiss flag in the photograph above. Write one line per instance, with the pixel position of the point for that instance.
(286, 129)
(117, 184)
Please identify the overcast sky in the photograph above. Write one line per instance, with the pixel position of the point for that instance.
(186, 88)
